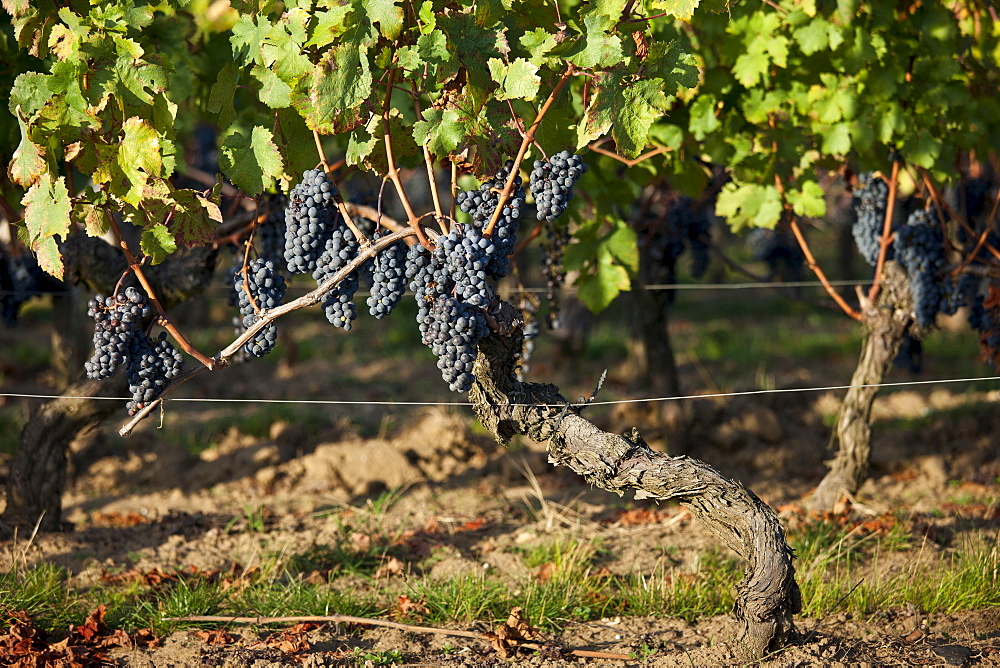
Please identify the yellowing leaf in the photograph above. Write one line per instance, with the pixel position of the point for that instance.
(46, 216)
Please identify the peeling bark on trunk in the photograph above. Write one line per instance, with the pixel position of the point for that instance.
(768, 595)
(885, 326)
(38, 470)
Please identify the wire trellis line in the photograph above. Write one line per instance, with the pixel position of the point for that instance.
(349, 402)
(657, 287)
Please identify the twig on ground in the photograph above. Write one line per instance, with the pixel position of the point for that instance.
(350, 619)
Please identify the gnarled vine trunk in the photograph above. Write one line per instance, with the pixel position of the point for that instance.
(768, 595)
(38, 470)
(885, 323)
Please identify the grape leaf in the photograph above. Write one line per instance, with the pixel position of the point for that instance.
(749, 205)
(682, 9)
(808, 201)
(628, 108)
(46, 216)
(28, 162)
(442, 130)
(274, 92)
(195, 217)
(519, 80)
(249, 35)
(387, 14)
(220, 99)
(342, 81)
(251, 162)
(138, 156)
(157, 243)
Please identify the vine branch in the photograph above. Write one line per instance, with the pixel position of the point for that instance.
(526, 141)
(883, 248)
(266, 318)
(136, 268)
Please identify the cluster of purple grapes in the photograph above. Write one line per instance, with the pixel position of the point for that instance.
(116, 322)
(919, 248)
(552, 182)
(149, 366)
(338, 303)
(778, 250)
(481, 203)
(310, 218)
(267, 287)
(119, 338)
(388, 279)
(870, 203)
(450, 327)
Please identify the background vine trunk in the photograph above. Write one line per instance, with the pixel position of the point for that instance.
(886, 323)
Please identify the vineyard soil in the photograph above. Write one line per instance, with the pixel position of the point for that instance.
(423, 493)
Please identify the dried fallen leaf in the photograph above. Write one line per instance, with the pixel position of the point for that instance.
(390, 567)
(215, 637)
(406, 606)
(506, 638)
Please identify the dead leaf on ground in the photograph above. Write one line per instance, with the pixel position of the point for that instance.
(390, 567)
(406, 606)
(509, 635)
(215, 637)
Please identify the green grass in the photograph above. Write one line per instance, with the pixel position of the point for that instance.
(839, 569)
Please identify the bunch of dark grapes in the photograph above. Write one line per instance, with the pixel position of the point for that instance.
(310, 219)
(552, 182)
(117, 321)
(694, 230)
(466, 254)
(778, 250)
(452, 329)
(388, 279)
(870, 203)
(338, 303)
(267, 287)
(481, 203)
(149, 365)
(270, 233)
(919, 249)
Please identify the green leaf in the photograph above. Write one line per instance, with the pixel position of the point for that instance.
(249, 35)
(342, 81)
(253, 163)
(157, 243)
(274, 92)
(809, 201)
(330, 24)
(812, 37)
(682, 9)
(519, 80)
(442, 130)
(295, 142)
(387, 14)
(28, 162)
(628, 108)
(750, 67)
(703, 121)
(597, 48)
(749, 205)
(220, 99)
(138, 156)
(46, 216)
(837, 140)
